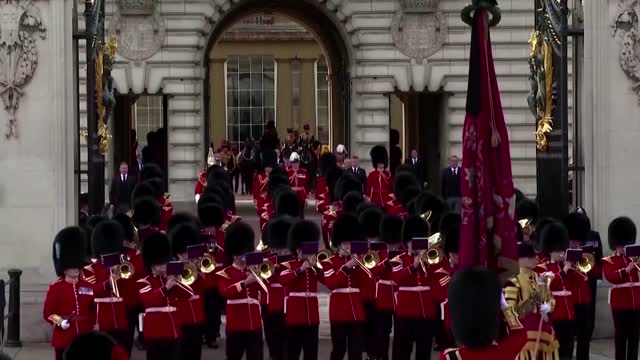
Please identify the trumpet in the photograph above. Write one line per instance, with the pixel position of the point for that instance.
(189, 274)
(371, 259)
(207, 264)
(586, 263)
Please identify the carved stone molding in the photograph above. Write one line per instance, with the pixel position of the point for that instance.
(139, 27)
(419, 29)
(20, 24)
(625, 27)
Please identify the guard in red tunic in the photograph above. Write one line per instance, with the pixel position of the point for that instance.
(95, 345)
(201, 183)
(268, 162)
(417, 307)
(242, 290)
(624, 295)
(569, 287)
(299, 180)
(300, 278)
(474, 323)
(379, 182)
(153, 175)
(69, 306)
(342, 276)
(324, 194)
(146, 216)
(160, 322)
(450, 232)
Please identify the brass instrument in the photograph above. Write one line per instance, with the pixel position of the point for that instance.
(586, 263)
(189, 274)
(527, 226)
(265, 270)
(426, 216)
(261, 246)
(322, 256)
(207, 264)
(371, 259)
(433, 255)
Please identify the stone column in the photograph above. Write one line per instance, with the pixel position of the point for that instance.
(217, 102)
(283, 96)
(308, 93)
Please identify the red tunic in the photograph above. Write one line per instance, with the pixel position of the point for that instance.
(394, 207)
(111, 311)
(444, 274)
(260, 194)
(167, 211)
(624, 293)
(323, 200)
(568, 289)
(188, 300)
(385, 287)
(417, 291)
(277, 291)
(333, 212)
(243, 303)
(379, 186)
(300, 183)
(72, 302)
(507, 349)
(201, 183)
(301, 303)
(345, 301)
(161, 321)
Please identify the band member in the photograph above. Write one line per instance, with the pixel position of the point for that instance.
(329, 173)
(69, 306)
(527, 215)
(450, 231)
(146, 215)
(160, 322)
(300, 180)
(579, 227)
(417, 304)
(188, 299)
(116, 270)
(152, 174)
(130, 233)
(260, 184)
(94, 345)
(341, 276)
(300, 277)
(391, 236)
(379, 182)
(287, 203)
(568, 287)
(201, 184)
(276, 232)
(528, 295)
(474, 322)
(242, 289)
(624, 296)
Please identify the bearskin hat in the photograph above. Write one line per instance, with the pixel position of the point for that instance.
(414, 226)
(519, 195)
(332, 178)
(83, 199)
(150, 171)
(210, 198)
(347, 183)
(218, 195)
(351, 202)
(146, 211)
(326, 163)
(144, 189)
(157, 184)
(379, 155)
(210, 214)
(391, 229)
(409, 193)
(277, 182)
(526, 250)
(180, 218)
(362, 207)
(554, 237)
(217, 173)
(287, 203)
(449, 220)
(126, 224)
(238, 239)
(183, 235)
(96, 346)
(303, 231)
(268, 158)
(428, 201)
(578, 226)
(451, 239)
(370, 220)
(540, 224)
(474, 323)
(156, 250)
(526, 209)
(107, 238)
(277, 231)
(346, 229)
(69, 249)
(622, 232)
(403, 180)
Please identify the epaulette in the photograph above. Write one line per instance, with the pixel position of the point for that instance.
(166, 196)
(287, 264)
(144, 281)
(203, 178)
(452, 354)
(608, 259)
(442, 270)
(445, 280)
(223, 273)
(235, 218)
(59, 280)
(89, 268)
(224, 226)
(167, 208)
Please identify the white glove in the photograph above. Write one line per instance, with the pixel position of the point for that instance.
(197, 198)
(503, 302)
(545, 309)
(64, 324)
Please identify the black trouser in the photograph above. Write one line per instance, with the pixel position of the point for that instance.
(627, 333)
(584, 329)
(566, 334)
(439, 332)
(241, 343)
(275, 335)
(163, 349)
(191, 342)
(410, 331)
(236, 180)
(213, 312)
(384, 322)
(302, 339)
(346, 336)
(369, 331)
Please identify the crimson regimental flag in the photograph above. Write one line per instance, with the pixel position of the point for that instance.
(488, 232)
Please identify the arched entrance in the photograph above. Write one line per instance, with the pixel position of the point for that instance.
(331, 39)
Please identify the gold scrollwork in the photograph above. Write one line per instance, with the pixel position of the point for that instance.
(541, 82)
(106, 54)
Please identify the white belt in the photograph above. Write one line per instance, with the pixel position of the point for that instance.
(243, 301)
(561, 293)
(194, 297)
(303, 294)
(276, 285)
(345, 291)
(386, 282)
(108, 300)
(219, 265)
(625, 285)
(414, 288)
(166, 309)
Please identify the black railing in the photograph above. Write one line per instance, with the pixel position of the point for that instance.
(13, 314)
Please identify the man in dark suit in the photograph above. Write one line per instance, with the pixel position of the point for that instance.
(121, 188)
(451, 184)
(356, 170)
(416, 165)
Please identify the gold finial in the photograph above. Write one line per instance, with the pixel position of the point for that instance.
(111, 46)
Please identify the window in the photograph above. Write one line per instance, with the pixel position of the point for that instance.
(147, 117)
(250, 96)
(296, 78)
(322, 101)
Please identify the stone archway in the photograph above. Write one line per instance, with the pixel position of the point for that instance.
(328, 31)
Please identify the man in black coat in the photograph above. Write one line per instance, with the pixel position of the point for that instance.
(356, 170)
(121, 188)
(450, 182)
(414, 162)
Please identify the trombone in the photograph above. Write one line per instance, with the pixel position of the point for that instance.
(124, 270)
(586, 263)
(189, 274)
(262, 272)
(206, 264)
(432, 255)
(323, 255)
(371, 259)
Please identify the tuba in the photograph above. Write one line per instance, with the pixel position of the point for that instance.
(207, 264)
(189, 274)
